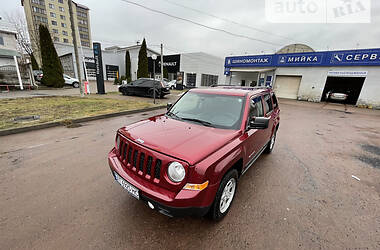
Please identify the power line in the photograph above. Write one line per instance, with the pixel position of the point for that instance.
(200, 24)
(229, 20)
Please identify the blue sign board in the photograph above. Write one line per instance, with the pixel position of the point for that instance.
(367, 57)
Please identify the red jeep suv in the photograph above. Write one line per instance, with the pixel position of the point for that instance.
(189, 160)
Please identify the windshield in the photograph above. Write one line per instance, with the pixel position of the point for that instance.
(220, 111)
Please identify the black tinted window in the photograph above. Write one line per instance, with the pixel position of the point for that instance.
(268, 104)
(256, 109)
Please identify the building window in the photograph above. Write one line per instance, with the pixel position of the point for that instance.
(191, 79)
(1, 40)
(85, 44)
(82, 14)
(63, 17)
(60, 1)
(65, 40)
(82, 21)
(55, 31)
(53, 14)
(63, 25)
(83, 29)
(40, 2)
(40, 19)
(56, 39)
(51, 6)
(38, 10)
(64, 33)
(54, 23)
(83, 36)
(61, 9)
(209, 80)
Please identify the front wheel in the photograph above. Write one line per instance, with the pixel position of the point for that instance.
(225, 195)
(76, 84)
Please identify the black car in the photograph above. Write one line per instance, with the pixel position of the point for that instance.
(144, 87)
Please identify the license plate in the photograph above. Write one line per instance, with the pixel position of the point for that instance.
(131, 189)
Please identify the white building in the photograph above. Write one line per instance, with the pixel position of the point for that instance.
(8, 43)
(298, 72)
(8, 49)
(194, 69)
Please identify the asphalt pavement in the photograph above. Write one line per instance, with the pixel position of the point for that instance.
(56, 190)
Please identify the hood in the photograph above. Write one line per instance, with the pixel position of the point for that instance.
(183, 140)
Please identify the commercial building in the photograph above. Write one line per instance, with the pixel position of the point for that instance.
(9, 69)
(56, 16)
(299, 72)
(191, 69)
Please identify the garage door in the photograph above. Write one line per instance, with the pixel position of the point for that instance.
(287, 86)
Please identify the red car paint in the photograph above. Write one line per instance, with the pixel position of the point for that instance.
(207, 153)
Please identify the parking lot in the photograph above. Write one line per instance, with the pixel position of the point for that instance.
(57, 192)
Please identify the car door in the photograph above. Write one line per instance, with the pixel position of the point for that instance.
(268, 109)
(254, 137)
(132, 87)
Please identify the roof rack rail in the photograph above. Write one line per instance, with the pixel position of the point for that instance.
(239, 87)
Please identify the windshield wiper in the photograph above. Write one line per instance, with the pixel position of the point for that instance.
(171, 114)
(205, 123)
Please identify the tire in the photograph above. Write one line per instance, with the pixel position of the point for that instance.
(76, 85)
(271, 143)
(218, 210)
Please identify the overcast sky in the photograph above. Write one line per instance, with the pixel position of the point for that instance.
(115, 22)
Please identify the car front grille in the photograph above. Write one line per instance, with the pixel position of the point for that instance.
(143, 163)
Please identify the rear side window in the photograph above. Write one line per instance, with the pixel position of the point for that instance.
(275, 102)
(268, 104)
(256, 107)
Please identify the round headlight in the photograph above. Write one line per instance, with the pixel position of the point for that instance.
(176, 172)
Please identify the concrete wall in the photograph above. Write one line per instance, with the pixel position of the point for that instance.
(9, 41)
(202, 63)
(6, 61)
(110, 57)
(314, 80)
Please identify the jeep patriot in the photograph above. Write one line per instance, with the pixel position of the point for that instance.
(188, 161)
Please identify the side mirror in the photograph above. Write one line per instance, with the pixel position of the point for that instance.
(259, 123)
(169, 105)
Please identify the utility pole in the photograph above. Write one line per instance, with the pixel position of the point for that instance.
(162, 62)
(74, 34)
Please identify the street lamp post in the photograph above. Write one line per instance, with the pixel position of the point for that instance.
(154, 57)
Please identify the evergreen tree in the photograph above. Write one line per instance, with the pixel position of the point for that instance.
(142, 70)
(166, 73)
(34, 62)
(128, 66)
(51, 65)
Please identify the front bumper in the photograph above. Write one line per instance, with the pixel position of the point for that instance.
(183, 203)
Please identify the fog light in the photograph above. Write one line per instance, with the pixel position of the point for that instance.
(150, 205)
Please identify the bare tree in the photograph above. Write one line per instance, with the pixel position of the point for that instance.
(25, 39)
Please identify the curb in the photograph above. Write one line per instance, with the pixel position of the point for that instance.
(79, 120)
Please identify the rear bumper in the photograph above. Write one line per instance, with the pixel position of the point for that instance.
(183, 203)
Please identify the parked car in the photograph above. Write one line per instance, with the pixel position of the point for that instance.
(172, 84)
(71, 81)
(144, 87)
(38, 74)
(189, 160)
(336, 96)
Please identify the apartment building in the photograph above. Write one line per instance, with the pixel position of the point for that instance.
(56, 16)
